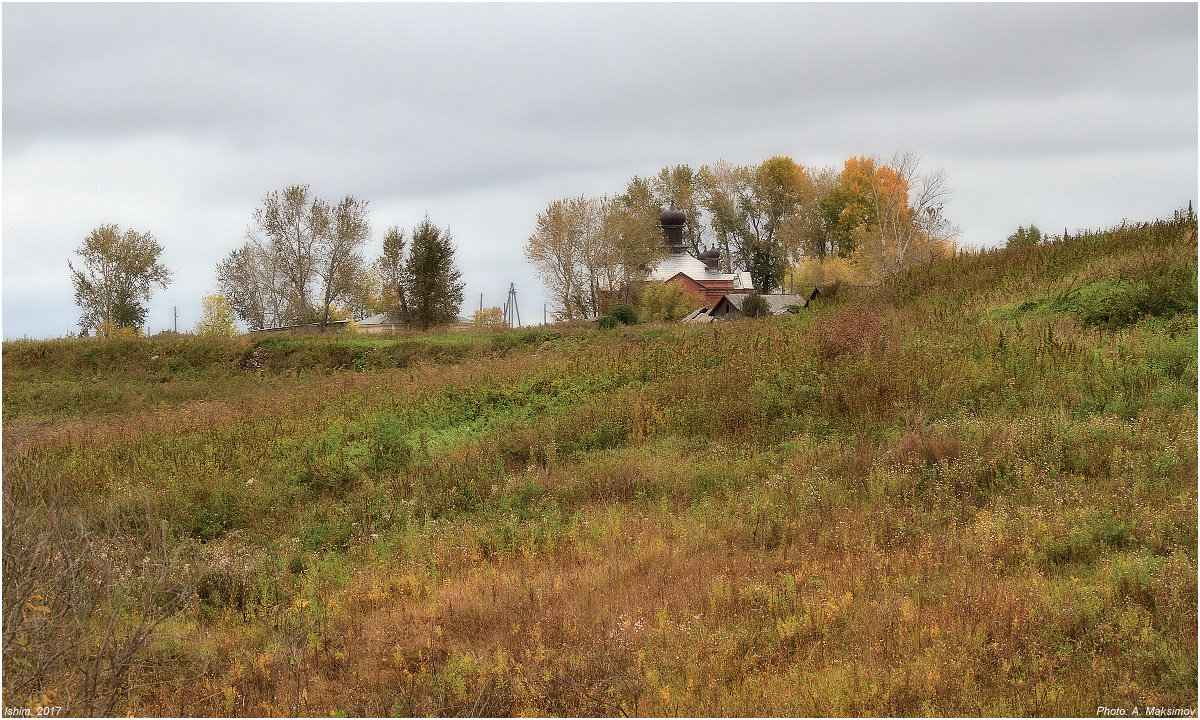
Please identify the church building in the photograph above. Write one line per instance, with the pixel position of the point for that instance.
(698, 276)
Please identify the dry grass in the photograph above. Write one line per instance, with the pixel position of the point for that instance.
(910, 503)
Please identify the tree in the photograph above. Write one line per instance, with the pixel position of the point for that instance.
(591, 252)
(435, 292)
(888, 216)
(843, 213)
(302, 259)
(118, 274)
(250, 279)
(489, 319)
(630, 242)
(558, 250)
(1025, 238)
(817, 238)
(337, 250)
(216, 317)
(290, 221)
(723, 189)
(758, 215)
(911, 211)
(680, 185)
(390, 267)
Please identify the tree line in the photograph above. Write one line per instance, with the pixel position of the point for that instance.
(302, 265)
(778, 220)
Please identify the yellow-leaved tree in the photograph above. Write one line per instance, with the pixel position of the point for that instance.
(884, 217)
(491, 318)
(216, 317)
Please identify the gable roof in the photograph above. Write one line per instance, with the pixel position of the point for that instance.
(777, 303)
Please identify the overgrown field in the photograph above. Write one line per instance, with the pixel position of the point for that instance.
(970, 492)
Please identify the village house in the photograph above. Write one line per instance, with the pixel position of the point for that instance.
(386, 324)
(382, 323)
(731, 305)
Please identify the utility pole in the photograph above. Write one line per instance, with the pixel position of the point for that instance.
(512, 315)
(544, 314)
(175, 308)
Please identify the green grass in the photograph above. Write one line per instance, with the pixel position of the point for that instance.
(968, 492)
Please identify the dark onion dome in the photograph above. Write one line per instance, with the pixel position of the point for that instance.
(709, 255)
(672, 217)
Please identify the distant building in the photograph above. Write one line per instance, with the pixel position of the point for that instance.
(381, 323)
(698, 276)
(385, 324)
(730, 306)
(333, 326)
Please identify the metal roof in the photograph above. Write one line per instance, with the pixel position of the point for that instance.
(380, 319)
(683, 262)
(777, 303)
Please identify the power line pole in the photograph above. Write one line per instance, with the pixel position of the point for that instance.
(175, 308)
(512, 315)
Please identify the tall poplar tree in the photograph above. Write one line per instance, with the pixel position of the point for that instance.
(390, 266)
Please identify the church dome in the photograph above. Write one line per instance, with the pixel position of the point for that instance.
(671, 221)
(672, 217)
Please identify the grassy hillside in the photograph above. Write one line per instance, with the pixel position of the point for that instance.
(969, 492)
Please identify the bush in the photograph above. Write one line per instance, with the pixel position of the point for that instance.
(1169, 292)
(625, 314)
(665, 301)
(607, 322)
(755, 306)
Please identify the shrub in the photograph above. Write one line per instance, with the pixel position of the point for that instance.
(607, 322)
(848, 330)
(388, 446)
(755, 306)
(1169, 292)
(625, 314)
(814, 272)
(489, 319)
(665, 301)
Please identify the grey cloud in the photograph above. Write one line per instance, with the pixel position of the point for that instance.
(184, 115)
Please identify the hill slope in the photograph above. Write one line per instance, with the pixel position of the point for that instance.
(971, 491)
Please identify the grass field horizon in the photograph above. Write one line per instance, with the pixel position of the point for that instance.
(970, 491)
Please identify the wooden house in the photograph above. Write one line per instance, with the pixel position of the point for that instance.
(730, 306)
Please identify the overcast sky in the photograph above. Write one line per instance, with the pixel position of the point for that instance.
(177, 119)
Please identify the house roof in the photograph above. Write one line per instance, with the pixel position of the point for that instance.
(777, 303)
(699, 315)
(683, 262)
(380, 319)
(386, 319)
